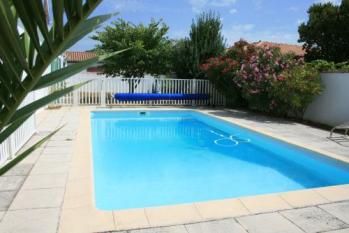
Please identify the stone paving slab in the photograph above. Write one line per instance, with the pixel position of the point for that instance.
(220, 226)
(45, 181)
(58, 150)
(268, 223)
(19, 170)
(39, 198)
(339, 231)
(6, 198)
(264, 203)
(55, 158)
(222, 208)
(8, 183)
(313, 219)
(303, 198)
(27, 221)
(128, 219)
(172, 229)
(51, 168)
(339, 210)
(64, 143)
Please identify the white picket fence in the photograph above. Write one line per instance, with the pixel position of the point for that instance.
(18, 138)
(100, 91)
(16, 141)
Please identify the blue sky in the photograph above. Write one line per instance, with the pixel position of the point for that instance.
(253, 20)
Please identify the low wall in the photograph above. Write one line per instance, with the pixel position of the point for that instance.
(332, 106)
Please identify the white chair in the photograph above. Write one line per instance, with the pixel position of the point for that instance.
(344, 126)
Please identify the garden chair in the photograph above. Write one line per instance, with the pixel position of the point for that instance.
(344, 127)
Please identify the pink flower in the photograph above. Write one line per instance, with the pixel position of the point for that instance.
(254, 91)
(281, 78)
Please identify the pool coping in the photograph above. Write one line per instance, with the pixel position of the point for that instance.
(79, 213)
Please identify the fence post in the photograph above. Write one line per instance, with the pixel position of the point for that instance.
(193, 90)
(102, 92)
(75, 98)
(11, 148)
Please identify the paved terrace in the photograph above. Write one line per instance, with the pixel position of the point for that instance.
(32, 194)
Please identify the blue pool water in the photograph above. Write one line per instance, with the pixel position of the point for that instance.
(173, 157)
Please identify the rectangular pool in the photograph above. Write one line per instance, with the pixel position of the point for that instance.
(156, 158)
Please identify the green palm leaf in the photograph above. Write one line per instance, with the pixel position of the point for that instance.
(64, 73)
(32, 107)
(26, 53)
(11, 128)
(24, 154)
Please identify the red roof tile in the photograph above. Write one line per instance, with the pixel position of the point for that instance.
(284, 48)
(79, 56)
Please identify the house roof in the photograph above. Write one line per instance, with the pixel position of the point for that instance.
(78, 56)
(284, 48)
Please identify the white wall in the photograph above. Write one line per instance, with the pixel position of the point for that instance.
(332, 106)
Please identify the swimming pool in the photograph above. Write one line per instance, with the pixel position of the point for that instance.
(156, 158)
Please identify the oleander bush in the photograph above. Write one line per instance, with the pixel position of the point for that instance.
(295, 91)
(264, 79)
(224, 68)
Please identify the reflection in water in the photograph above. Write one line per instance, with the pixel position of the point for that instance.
(145, 129)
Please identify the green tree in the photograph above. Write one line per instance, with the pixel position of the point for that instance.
(326, 34)
(150, 53)
(182, 59)
(205, 41)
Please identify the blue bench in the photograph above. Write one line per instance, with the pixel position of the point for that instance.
(157, 96)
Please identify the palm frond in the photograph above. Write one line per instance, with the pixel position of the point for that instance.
(27, 48)
(26, 54)
(24, 154)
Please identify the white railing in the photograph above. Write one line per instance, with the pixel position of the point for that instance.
(18, 138)
(16, 141)
(100, 91)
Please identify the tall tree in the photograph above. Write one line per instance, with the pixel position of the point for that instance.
(182, 58)
(326, 34)
(205, 41)
(150, 53)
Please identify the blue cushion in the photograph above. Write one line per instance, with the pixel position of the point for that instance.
(156, 96)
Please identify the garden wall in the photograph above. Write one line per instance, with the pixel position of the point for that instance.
(332, 106)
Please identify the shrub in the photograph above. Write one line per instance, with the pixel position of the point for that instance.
(267, 80)
(326, 66)
(295, 90)
(257, 75)
(242, 51)
(220, 71)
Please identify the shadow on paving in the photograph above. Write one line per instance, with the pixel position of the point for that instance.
(251, 116)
